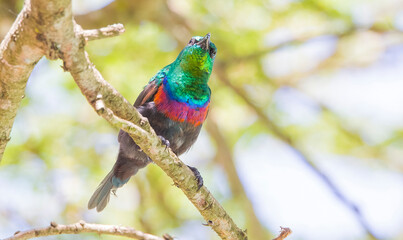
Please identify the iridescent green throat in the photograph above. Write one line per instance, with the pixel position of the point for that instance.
(188, 77)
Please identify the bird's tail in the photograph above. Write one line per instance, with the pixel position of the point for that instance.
(101, 196)
(120, 174)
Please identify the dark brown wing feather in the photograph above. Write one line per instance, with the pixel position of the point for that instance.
(147, 94)
(152, 87)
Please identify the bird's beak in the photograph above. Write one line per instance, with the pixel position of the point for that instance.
(205, 42)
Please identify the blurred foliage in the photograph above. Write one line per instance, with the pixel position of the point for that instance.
(267, 51)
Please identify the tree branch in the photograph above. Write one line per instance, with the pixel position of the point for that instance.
(83, 227)
(105, 32)
(60, 37)
(283, 233)
(18, 56)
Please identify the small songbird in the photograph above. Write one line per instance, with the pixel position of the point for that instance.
(176, 102)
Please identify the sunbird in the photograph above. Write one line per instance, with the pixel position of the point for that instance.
(176, 102)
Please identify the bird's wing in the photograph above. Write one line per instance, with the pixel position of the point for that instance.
(151, 88)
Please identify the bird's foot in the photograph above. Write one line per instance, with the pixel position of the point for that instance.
(114, 192)
(165, 142)
(198, 177)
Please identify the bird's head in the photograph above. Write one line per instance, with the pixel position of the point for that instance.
(197, 58)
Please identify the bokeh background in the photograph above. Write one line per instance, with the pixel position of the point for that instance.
(305, 129)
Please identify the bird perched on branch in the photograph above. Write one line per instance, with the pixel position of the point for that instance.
(176, 102)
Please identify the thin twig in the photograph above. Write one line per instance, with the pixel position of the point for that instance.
(105, 32)
(283, 233)
(83, 227)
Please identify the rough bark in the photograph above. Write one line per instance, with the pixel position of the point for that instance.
(18, 56)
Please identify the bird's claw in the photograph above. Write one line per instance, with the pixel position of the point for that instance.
(114, 192)
(198, 177)
(165, 142)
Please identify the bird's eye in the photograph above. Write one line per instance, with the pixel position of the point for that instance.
(213, 52)
(192, 41)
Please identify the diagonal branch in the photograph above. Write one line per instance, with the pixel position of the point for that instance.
(83, 227)
(140, 130)
(58, 36)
